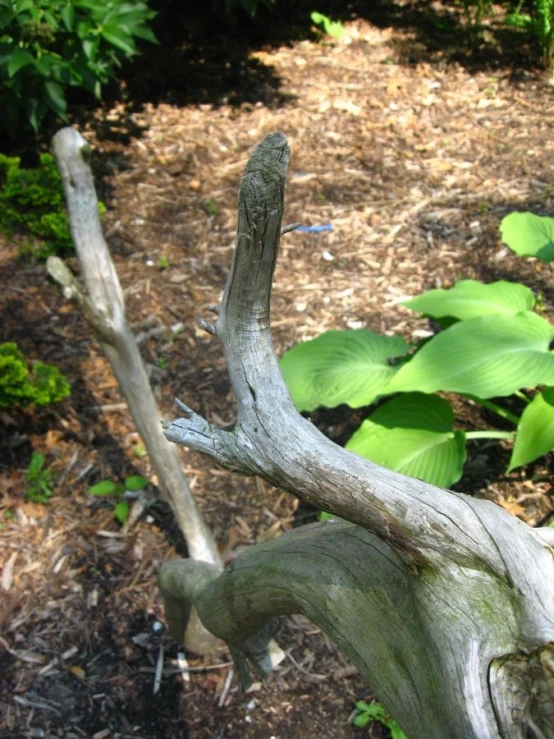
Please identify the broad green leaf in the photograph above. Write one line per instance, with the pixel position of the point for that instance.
(119, 38)
(22, 5)
(490, 356)
(90, 47)
(104, 487)
(68, 16)
(535, 432)
(470, 299)
(121, 511)
(250, 6)
(413, 434)
(55, 99)
(52, 20)
(44, 64)
(338, 367)
(136, 482)
(35, 111)
(529, 235)
(145, 33)
(19, 59)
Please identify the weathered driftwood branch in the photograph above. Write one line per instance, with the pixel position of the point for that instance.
(444, 602)
(103, 305)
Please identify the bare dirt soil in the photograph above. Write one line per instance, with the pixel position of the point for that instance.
(413, 146)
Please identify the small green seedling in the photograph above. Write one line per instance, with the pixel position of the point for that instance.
(484, 208)
(367, 712)
(330, 27)
(40, 487)
(139, 451)
(211, 208)
(164, 262)
(109, 487)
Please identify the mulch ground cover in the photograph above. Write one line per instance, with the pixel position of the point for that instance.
(413, 148)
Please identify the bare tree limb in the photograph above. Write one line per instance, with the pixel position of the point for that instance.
(103, 306)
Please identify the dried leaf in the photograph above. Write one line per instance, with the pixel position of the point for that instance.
(7, 572)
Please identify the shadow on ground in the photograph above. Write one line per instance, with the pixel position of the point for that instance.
(203, 59)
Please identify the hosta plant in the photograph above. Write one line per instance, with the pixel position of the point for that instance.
(529, 235)
(492, 346)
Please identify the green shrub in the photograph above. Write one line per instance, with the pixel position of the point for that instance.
(42, 385)
(538, 22)
(492, 345)
(251, 6)
(32, 204)
(47, 46)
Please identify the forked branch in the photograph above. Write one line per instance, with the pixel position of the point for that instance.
(444, 602)
(272, 440)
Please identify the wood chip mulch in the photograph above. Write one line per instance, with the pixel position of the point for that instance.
(413, 164)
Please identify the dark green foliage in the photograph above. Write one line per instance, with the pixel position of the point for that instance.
(47, 46)
(43, 385)
(476, 10)
(32, 204)
(535, 17)
(251, 6)
(538, 21)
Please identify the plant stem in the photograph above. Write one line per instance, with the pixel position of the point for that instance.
(522, 396)
(490, 406)
(490, 434)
